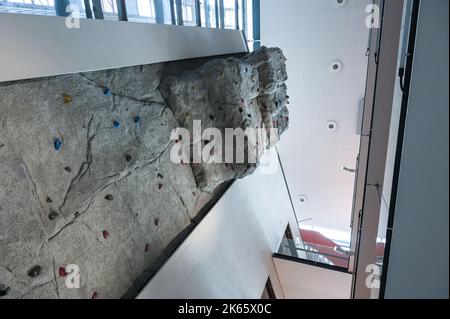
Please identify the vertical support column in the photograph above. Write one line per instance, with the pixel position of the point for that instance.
(244, 18)
(236, 13)
(159, 11)
(122, 10)
(256, 24)
(87, 6)
(216, 5)
(198, 16)
(97, 8)
(60, 7)
(179, 6)
(222, 14)
(172, 12)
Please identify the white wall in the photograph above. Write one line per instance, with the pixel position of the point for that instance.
(35, 46)
(419, 262)
(229, 255)
(313, 33)
(301, 281)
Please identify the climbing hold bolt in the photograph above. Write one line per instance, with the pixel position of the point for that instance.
(67, 98)
(35, 271)
(53, 215)
(57, 143)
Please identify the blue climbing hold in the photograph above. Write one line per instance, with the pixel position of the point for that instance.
(137, 119)
(57, 143)
(107, 92)
(116, 124)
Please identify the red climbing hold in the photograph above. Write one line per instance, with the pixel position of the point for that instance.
(105, 234)
(194, 194)
(62, 272)
(160, 186)
(94, 295)
(147, 248)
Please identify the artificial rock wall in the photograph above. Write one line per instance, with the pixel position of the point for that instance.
(85, 173)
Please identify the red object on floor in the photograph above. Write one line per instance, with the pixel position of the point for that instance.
(105, 234)
(62, 272)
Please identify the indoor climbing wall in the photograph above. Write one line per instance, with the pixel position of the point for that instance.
(85, 172)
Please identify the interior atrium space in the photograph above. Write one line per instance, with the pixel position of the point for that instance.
(262, 150)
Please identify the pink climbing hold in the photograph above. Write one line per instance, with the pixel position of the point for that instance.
(105, 234)
(62, 272)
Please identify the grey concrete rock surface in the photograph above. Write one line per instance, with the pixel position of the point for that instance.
(86, 177)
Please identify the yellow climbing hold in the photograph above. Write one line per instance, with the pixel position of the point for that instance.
(67, 98)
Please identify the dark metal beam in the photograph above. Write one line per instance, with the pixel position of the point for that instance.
(244, 17)
(216, 11)
(172, 12)
(97, 8)
(159, 11)
(222, 14)
(198, 16)
(256, 24)
(179, 6)
(122, 10)
(236, 13)
(87, 6)
(60, 8)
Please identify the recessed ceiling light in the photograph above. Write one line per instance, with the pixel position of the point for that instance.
(340, 3)
(332, 126)
(336, 66)
(303, 199)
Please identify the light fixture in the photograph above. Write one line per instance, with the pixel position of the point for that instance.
(340, 3)
(336, 66)
(303, 199)
(332, 126)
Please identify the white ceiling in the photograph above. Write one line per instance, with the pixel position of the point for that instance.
(312, 34)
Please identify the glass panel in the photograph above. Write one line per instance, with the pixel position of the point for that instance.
(167, 12)
(189, 18)
(141, 10)
(110, 9)
(39, 7)
(229, 14)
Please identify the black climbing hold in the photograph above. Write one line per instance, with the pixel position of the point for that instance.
(35, 271)
(49, 200)
(57, 143)
(241, 110)
(212, 117)
(156, 221)
(137, 119)
(116, 124)
(109, 197)
(3, 290)
(160, 176)
(53, 215)
(68, 169)
(127, 157)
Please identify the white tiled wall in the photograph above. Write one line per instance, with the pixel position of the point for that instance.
(312, 34)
